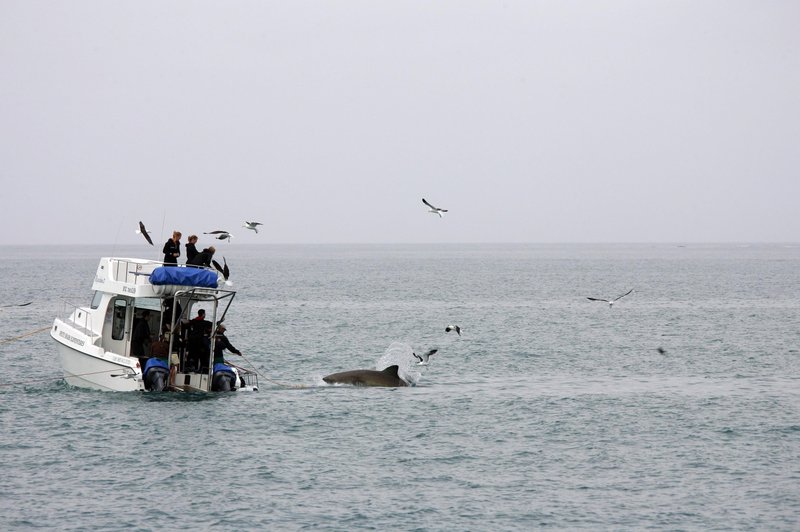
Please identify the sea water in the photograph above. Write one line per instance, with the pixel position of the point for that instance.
(678, 408)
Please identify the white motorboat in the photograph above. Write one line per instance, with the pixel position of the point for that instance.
(101, 346)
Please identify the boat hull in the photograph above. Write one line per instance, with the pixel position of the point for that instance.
(98, 371)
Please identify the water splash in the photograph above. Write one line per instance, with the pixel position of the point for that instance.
(401, 354)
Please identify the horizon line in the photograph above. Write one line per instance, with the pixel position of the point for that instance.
(482, 243)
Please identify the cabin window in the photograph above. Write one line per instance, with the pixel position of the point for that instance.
(153, 304)
(96, 298)
(118, 325)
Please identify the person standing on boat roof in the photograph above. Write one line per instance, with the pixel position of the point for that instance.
(221, 343)
(191, 249)
(203, 258)
(172, 249)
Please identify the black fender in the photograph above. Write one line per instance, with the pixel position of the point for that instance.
(156, 379)
(223, 381)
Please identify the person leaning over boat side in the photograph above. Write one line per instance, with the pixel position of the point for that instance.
(141, 338)
(191, 249)
(203, 258)
(172, 249)
(221, 343)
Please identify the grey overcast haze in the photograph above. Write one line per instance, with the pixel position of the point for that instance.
(531, 121)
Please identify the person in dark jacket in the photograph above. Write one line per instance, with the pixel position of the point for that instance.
(203, 258)
(199, 344)
(172, 249)
(221, 343)
(140, 339)
(191, 249)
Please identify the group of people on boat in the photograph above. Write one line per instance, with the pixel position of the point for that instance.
(172, 250)
(198, 342)
(192, 341)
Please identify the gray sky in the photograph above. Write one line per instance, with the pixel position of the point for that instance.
(548, 121)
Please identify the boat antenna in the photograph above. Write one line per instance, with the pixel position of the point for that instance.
(163, 219)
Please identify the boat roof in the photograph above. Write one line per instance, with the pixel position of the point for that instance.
(131, 277)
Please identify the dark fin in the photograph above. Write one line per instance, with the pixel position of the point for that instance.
(392, 370)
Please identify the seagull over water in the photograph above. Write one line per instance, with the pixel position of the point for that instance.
(144, 232)
(423, 360)
(434, 210)
(17, 305)
(455, 328)
(224, 270)
(220, 235)
(610, 301)
(252, 225)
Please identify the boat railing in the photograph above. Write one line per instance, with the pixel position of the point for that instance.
(79, 317)
(138, 272)
(133, 272)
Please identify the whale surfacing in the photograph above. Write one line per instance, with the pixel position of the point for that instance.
(368, 377)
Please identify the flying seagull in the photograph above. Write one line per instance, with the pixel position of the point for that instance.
(222, 269)
(144, 232)
(434, 210)
(252, 225)
(423, 360)
(455, 328)
(610, 301)
(226, 272)
(220, 235)
(17, 305)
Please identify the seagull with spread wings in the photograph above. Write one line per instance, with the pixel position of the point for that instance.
(224, 270)
(434, 210)
(17, 305)
(610, 301)
(455, 328)
(144, 232)
(252, 225)
(220, 234)
(423, 360)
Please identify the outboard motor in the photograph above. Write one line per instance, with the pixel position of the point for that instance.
(156, 374)
(223, 379)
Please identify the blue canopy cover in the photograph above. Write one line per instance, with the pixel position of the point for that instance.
(184, 277)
